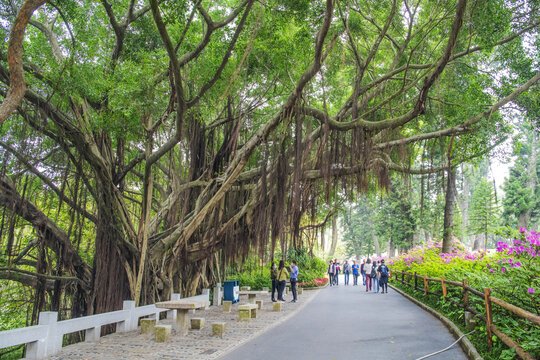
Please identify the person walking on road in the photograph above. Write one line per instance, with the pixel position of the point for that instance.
(355, 272)
(294, 279)
(336, 273)
(384, 272)
(283, 274)
(331, 269)
(374, 277)
(346, 271)
(367, 270)
(273, 277)
(363, 272)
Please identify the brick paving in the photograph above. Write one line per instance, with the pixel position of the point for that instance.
(198, 344)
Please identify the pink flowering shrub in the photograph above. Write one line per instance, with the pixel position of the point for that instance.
(512, 270)
(430, 260)
(313, 283)
(515, 271)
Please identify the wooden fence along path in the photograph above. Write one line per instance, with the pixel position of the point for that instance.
(489, 300)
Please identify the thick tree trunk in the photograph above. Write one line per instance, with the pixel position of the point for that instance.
(376, 243)
(111, 285)
(525, 215)
(322, 239)
(17, 86)
(477, 241)
(448, 229)
(148, 186)
(391, 249)
(334, 236)
(465, 206)
(357, 249)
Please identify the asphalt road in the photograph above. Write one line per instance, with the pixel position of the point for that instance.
(346, 322)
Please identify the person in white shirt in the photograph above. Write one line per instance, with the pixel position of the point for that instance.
(367, 269)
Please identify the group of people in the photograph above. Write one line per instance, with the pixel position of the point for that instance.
(374, 275)
(279, 276)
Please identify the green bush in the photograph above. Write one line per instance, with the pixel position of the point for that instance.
(255, 280)
(254, 275)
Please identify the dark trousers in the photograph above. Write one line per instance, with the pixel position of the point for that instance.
(281, 288)
(293, 288)
(274, 288)
(331, 279)
(355, 279)
(383, 282)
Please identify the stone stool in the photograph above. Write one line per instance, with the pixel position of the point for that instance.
(245, 288)
(147, 325)
(162, 333)
(218, 329)
(277, 306)
(227, 306)
(299, 291)
(259, 304)
(247, 312)
(197, 323)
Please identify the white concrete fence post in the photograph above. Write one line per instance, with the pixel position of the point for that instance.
(218, 295)
(92, 334)
(53, 342)
(131, 322)
(207, 293)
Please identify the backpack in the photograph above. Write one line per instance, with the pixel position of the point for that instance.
(384, 271)
(373, 272)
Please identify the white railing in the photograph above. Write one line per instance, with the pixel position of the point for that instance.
(46, 338)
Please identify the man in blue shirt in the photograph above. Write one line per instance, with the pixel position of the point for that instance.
(294, 278)
(355, 271)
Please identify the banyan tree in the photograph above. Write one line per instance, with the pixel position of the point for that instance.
(146, 143)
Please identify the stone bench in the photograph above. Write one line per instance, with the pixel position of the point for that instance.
(197, 323)
(218, 328)
(162, 333)
(247, 312)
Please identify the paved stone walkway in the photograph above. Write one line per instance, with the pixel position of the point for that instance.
(346, 322)
(198, 344)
